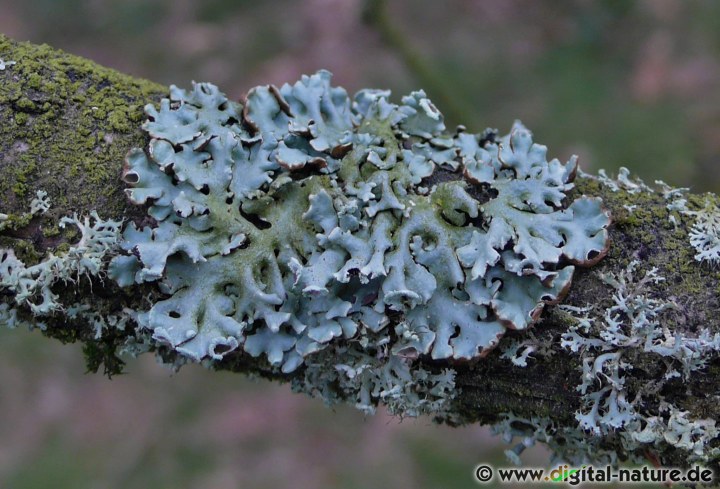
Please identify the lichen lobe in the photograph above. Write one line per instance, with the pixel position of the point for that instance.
(299, 219)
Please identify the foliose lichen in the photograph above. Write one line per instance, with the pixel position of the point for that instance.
(303, 218)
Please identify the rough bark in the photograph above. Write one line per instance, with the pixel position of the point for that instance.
(67, 123)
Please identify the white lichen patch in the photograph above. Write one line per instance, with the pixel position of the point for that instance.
(31, 286)
(39, 205)
(622, 182)
(705, 233)
(6, 64)
(610, 340)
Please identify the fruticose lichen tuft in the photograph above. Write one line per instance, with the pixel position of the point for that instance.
(32, 286)
(5, 64)
(610, 341)
(302, 219)
(705, 234)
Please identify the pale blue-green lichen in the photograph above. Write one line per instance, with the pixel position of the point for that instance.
(6, 64)
(293, 222)
(303, 224)
(611, 340)
(39, 205)
(621, 182)
(705, 233)
(31, 286)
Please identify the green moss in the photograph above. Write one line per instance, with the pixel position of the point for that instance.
(25, 105)
(21, 118)
(71, 124)
(63, 107)
(25, 252)
(118, 119)
(63, 247)
(34, 81)
(50, 232)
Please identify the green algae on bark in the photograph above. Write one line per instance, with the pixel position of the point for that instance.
(67, 124)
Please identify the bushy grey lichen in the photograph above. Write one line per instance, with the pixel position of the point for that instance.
(34, 287)
(9, 318)
(99, 322)
(635, 329)
(573, 445)
(303, 219)
(31, 286)
(622, 182)
(612, 340)
(347, 373)
(5, 64)
(520, 351)
(705, 233)
(567, 444)
(39, 205)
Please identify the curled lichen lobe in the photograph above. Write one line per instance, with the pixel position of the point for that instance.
(302, 219)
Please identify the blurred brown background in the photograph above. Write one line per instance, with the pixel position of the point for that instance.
(621, 83)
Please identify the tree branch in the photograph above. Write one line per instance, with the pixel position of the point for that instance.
(67, 125)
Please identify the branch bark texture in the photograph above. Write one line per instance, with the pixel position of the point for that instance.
(66, 125)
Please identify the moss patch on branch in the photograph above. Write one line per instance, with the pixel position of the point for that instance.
(67, 124)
